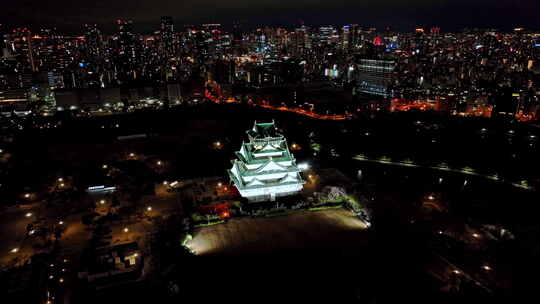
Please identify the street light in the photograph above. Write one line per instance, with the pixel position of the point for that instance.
(486, 267)
(60, 179)
(14, 250)
(27, 195)
(104, 166)
(165, 182)
(126, 229)
(159, 163)
(29, 214)
(131, 154)
(62, 185)
(149, 208)
(61, 223)
(303, 166)
(102, 202)
(431, 197)
(219, 184)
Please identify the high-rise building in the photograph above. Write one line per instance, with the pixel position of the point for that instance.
(354, 35)
(345, 36)
(3, 49)
(237, 39)
(350, 36)
(167, 36)
(265, 168)
(46, 46)
(300, 41)
(127, 57)
(326, 34)
(374, 76)
(126, 36)
(94, 42)
(20, 46)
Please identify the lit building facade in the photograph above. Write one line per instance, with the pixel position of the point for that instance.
(374, 76)
(265, 168)
(167, 36)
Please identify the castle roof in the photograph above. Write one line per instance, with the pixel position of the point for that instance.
(263, 130)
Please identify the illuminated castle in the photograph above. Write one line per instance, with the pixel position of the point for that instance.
(265, 168)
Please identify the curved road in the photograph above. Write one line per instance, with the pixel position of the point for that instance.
(466, 170)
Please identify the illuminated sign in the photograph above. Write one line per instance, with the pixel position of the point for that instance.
(515, 94)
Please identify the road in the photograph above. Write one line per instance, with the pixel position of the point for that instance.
(466, 171)
(13, 231)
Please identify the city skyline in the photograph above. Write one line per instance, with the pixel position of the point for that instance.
(399, 16)
(394, 140)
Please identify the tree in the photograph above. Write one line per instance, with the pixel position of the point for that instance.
(88, 218)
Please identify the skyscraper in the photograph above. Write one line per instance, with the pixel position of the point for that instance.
(237, 37)
(345, 34)
(300, 41)
(20, 46)
(349, 36)
(354, 34)
(94, 42)
(326, 34)
(126, 49)
(374, 76)
(167, 36)
(46, 47)
(3, 49)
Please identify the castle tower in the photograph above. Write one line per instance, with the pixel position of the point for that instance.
(265, 168)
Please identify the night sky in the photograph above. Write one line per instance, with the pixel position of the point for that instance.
(400, 14)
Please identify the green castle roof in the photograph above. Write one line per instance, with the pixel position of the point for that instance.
(263, 130)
